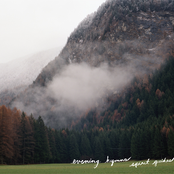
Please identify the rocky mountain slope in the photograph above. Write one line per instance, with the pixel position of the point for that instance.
(121, 32)
(127, 37)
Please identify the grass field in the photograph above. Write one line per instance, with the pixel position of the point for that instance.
(103, 168)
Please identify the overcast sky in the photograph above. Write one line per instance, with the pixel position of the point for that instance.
(30, 26)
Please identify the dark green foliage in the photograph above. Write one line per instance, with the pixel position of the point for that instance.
(114, 141)
(27, 140)
(158, 145)
(107, 146)
(85, 147)
(124, 144)
(73, 148)
(145, 129)
(98, 150)
(141, 143)
(62, 148)
(147, 112)
(54, 153)
(42, 151)
(170, 143)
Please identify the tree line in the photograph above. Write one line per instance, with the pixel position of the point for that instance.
(25, 140)
(140, 124)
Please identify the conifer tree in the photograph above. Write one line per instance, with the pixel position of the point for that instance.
(27, 139)
(6, 139)
(16, 117)
(52, 145)
(158, 145)
(107, 146)
(41, 151)
(98, 150)
(73, 148)
(170, 143)
(59, 146)
(124, 145)
(85, 147)
(114, 141)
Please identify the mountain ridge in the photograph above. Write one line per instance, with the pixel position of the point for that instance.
(108, 94)
(140, 29)
(135, 36)
(18, 74)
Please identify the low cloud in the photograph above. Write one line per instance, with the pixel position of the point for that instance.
(75, 89)
(82, 86)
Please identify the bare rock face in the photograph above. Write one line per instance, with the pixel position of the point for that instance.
(130, 34)
(120, 32)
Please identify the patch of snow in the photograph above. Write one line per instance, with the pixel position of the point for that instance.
(152, 49)
(23, 71)
(70, 61)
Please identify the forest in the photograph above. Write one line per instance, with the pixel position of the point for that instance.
(139, 123)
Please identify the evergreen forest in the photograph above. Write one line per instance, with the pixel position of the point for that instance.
(138, 123)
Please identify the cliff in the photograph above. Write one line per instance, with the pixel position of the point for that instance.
(133, 37)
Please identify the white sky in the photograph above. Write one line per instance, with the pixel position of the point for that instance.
(29, 26)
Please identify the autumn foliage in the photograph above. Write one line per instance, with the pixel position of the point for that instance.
(9, 125)
(159, 93)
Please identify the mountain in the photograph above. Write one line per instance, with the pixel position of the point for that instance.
(122, 40)
(132, 32)
(138, 126)
(109, 93)
(143, 101)
(16, 75)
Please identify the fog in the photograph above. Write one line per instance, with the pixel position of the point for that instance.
(77, 88)
(83, 86)
(33, 26)
(23, 71)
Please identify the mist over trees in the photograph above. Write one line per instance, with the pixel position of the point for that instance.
(144, 128)
(116, 115)
(127, 36)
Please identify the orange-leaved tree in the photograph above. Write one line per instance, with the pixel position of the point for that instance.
(6, 135)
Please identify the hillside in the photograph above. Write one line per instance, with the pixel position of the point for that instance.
(120, 32)
(144, 100)
(140, 126)
(123, 39)
(17, 75)
(108, 93)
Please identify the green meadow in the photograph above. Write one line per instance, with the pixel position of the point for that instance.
(103, 168)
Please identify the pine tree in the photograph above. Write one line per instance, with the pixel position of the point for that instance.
(134, 146)
(98, 150)
(158, 145)
(58, 145)
(85, 147)
(124, 145)
(27, 139)
(62, 146)
(52, 145)
(73, 148)
(170, 143)
(107, 146)
(16, 117)
(41, 151)
(114, 141)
